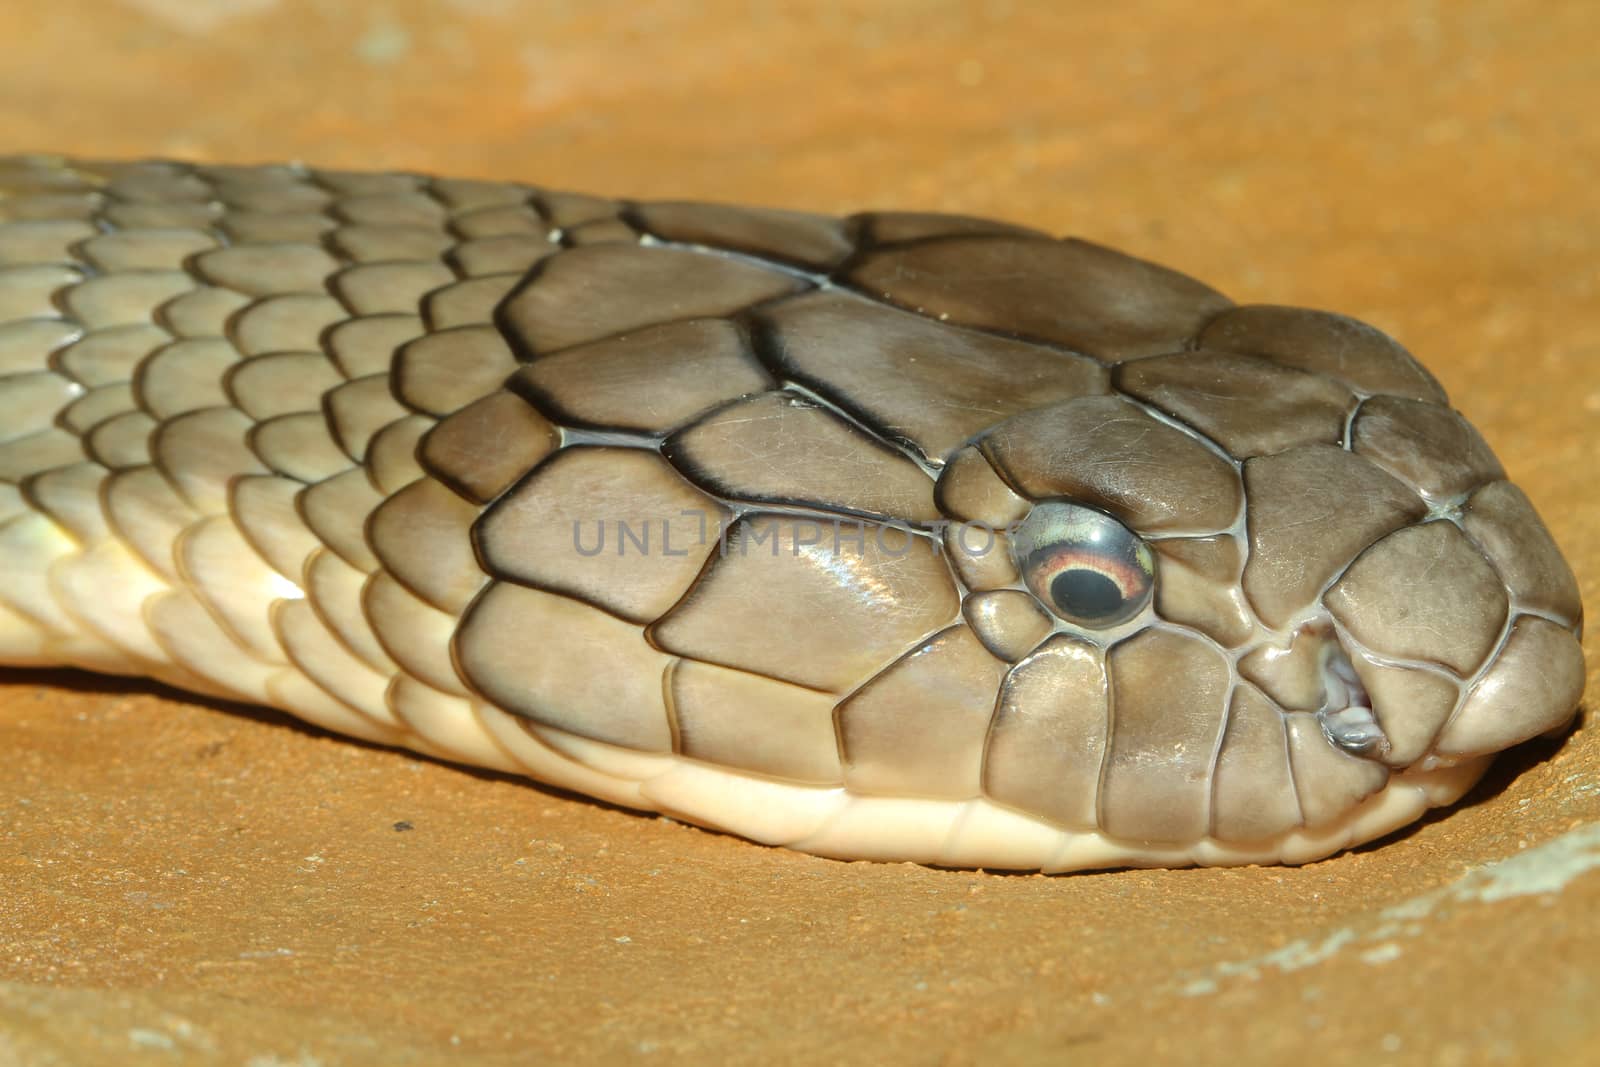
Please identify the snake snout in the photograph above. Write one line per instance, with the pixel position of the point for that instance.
(1461, 646)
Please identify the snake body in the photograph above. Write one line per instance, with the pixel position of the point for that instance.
(897, 536)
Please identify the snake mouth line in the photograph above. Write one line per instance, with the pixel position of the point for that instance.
(1346, 715)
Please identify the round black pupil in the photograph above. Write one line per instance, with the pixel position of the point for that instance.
(1085, 594)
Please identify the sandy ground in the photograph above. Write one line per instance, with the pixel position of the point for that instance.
(187, 883)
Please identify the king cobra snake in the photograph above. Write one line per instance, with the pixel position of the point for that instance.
(898, 536)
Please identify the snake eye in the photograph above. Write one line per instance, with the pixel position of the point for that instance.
(1084, 565)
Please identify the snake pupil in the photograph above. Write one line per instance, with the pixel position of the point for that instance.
(1085, 594)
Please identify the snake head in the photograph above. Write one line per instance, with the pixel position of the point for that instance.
(993, 549)
(1277, 575)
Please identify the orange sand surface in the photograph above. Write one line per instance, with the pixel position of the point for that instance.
(188, 883)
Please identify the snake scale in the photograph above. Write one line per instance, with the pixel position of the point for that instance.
(897, 536)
